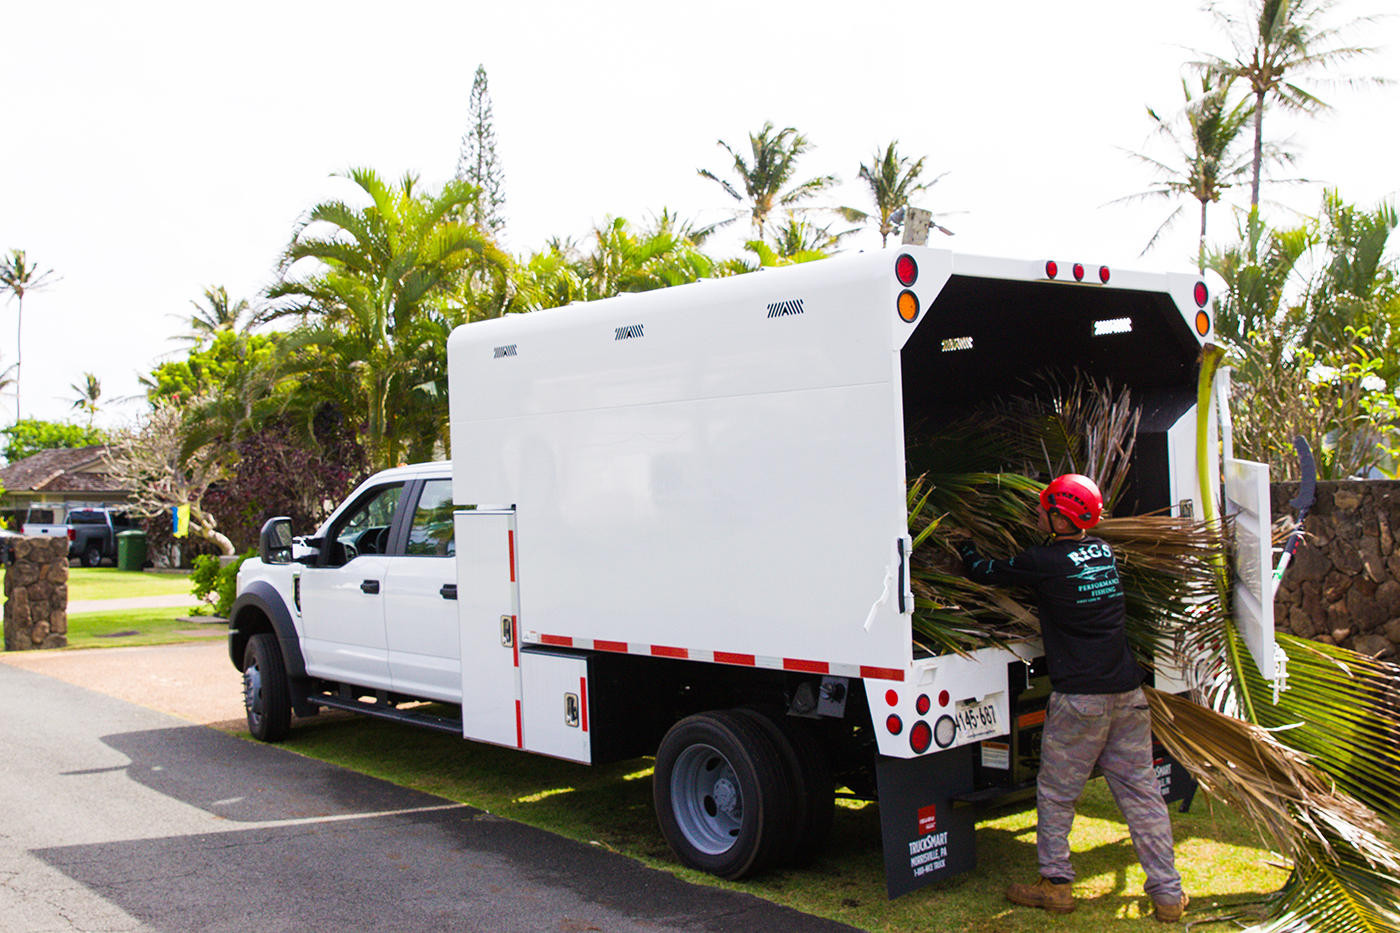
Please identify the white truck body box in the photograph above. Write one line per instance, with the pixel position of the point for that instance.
(716, 471)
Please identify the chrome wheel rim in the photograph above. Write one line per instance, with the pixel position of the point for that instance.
(706, 799)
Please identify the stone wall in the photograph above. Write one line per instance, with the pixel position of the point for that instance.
(1343, 586)
(36, 593)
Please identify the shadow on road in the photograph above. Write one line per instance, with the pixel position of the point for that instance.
(311, 846)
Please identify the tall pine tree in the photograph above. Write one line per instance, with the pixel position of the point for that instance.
(477, 163)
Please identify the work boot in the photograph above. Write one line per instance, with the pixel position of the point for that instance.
(1171, 911)
(1054, 896)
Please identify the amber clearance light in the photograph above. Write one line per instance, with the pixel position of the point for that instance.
(908, 304)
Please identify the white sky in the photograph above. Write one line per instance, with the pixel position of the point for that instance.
(152, 149)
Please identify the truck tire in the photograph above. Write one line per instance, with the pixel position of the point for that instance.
(92, 556)
(266, 698)
(721, 794)
(811, 786)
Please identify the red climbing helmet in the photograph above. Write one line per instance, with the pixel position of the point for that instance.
(1075, 497)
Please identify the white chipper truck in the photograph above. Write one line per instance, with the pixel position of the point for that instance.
(674, 524)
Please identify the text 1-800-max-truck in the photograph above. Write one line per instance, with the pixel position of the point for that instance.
(674, 523)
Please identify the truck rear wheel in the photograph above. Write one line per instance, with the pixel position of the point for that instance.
(266, 699)
(721, 794)
(92, 556)
(811, 787)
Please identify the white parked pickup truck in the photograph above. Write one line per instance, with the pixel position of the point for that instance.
(675, 524)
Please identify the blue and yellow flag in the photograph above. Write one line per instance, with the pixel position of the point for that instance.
(180, 520)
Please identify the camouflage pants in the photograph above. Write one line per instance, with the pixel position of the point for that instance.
(1112, 730)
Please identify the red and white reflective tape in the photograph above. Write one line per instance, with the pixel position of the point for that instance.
(802, 665)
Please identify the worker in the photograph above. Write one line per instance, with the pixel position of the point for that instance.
(1097, 713)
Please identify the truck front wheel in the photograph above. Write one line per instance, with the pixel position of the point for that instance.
(720, 794)
(266, 699)
(92, 556)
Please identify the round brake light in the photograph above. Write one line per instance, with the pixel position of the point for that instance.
(922, 704)
(906, 270)
(1079, 271)
(1103, 274)
(1201, 294)
(894, 724)
(1052, 269)
(919, 737)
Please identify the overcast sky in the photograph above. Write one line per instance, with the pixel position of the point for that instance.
(153, 149)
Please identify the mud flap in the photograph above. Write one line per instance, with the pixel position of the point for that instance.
(1175, 782)
(926, 838)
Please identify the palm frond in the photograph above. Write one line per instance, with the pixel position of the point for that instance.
(1278, 787)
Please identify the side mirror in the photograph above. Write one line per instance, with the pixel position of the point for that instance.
(275, 541)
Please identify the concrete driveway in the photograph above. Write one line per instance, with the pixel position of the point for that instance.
(123, 814)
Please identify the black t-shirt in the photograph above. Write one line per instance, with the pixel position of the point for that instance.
(1081, 610)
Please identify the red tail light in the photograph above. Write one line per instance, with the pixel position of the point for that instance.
(1079, 271)
(920, 737)
(1201, 294)
(906, 270)
(72, 534)
(1052, 269)
(1103, 274)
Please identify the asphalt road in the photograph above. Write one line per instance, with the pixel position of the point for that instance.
(114, 817)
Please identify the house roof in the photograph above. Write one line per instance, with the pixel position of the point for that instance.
(76, 469)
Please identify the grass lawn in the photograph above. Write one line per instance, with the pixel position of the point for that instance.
(1221, 860)
(111, 583)
(109, 629)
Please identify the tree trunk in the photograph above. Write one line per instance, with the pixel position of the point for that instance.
(1258, 164)
(203, 526)
(19, 352)
(1201, 244)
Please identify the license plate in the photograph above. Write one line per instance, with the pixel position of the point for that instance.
(977, 719)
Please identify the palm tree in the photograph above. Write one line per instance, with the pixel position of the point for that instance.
(218, 314)
(893, 180)
(627, 260)
(1275, 45)
(382, 269)
(1310, 323)
(18, 276)
(1206, 163)
(767, 181)
(88, 393)
(794, 242)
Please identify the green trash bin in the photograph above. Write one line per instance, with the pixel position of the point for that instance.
(131, 550)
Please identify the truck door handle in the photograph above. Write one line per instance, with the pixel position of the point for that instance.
(448, 591)
(369, 586)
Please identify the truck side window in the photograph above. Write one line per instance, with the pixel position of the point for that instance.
(431, 532)
(365, 528)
